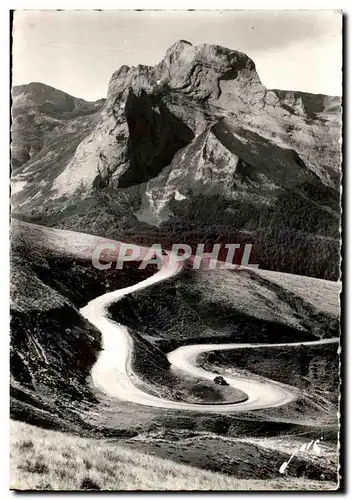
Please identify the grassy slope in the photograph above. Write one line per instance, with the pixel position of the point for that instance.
(232, 306)
(50, 460)
(322, 294)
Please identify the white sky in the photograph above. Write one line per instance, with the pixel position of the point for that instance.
(77, 51)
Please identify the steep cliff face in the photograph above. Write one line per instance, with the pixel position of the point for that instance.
(199, 127)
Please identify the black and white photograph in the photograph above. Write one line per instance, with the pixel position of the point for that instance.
(175, 266)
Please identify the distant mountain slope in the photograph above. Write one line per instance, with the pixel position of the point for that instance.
(47, 126)
(198, 143)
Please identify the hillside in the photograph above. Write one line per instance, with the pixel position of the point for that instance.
(47, 126)
(52, 346)
(233, 306)
(197, 149)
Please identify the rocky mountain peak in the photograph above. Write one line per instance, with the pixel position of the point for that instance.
(202, 72)
(197, 127)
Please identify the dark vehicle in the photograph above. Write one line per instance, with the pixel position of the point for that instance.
(220, 380)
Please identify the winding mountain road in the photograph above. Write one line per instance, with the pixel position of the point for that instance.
(112, 371)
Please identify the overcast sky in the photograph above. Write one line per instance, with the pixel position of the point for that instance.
(77, 51)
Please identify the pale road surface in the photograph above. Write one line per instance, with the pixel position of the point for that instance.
(111, 373)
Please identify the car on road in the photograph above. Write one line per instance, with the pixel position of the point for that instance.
(219, 380)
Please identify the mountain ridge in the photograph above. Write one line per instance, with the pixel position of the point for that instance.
(41, 114)
(35, 87)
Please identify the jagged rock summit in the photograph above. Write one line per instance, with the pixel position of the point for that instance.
(149, 114)
(193, 70)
